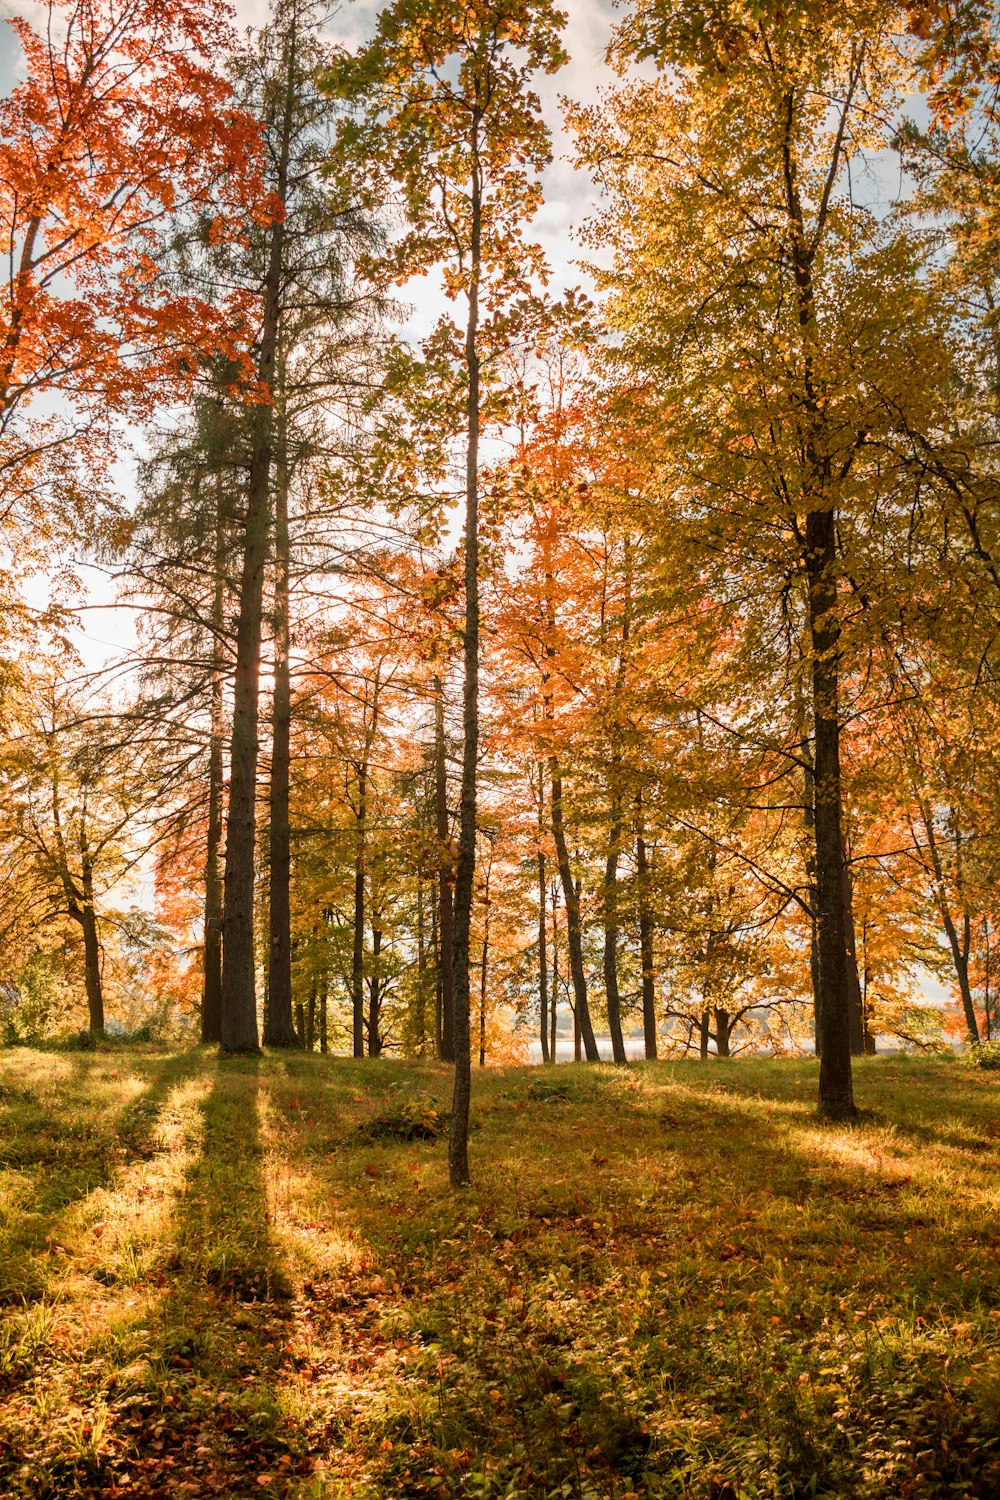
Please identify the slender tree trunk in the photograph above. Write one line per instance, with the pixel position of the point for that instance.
(611, 940)
(358, 952)
(458, 1140)
(574, 930)
(375, 997)
(645, 945)
(960, 957)
(310, 1037)
(836, 1094)
(438, 1006)
(704, 1034)
(91, 951)
(809, 820)
(420, 1027)
(324, 1000)
(482, 988)
(279, 1030)
(554, 1018)
(239, 1001)
(543, 961)
(211, 995)
(446, 910)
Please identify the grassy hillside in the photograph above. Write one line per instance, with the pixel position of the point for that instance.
(234, 1279)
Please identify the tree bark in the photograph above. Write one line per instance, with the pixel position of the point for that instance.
(279, 1030)
(574, 931)
(211, 994)
(611, 940)
(723, 1031)
(646, 946)
(358, 950)
(836, 1093)
(543, 961)
(239, 1001)
(91, 948)
(446, 913)
(458, 1138)
(375, 997)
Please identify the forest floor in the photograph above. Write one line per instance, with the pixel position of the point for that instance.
(231, 1279)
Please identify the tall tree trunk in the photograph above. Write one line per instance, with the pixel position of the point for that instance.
(358, 951)
(554, 1017)
(611, 940)
(446, 910)
(279, 1030)
(574, 930)
(836, 1093)
(420, 1026)
(723, 1031)
(482, 986)
(91, 947)
(809, 822)
(543, 969)
(645, 943)
(324, 1000)
(543, 962)
(310, 1037)
(704, 1034)
(239, 1000)
(458, 1139)
(375, 997)
(211, 995)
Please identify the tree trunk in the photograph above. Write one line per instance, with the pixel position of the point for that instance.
(543, 962)
(554, 1016)
(723, 1031)
(646, 949)
(310, 1037)
(960, 958)
(91, 951)
(239, 1001)
(358, 951)
(836, 1094)
(420, 1019)
(324, 998)
(704, 1035)
(458, 1139)
(375, 997)
(611, 941)
(574, 931)
(211, 995)
(279, 1030)
(446, 912)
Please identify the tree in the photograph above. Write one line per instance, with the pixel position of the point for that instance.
(121, 128)
(789, 344)
(445, 112)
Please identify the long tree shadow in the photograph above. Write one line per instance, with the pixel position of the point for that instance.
(61, 1152)
(206, 1402)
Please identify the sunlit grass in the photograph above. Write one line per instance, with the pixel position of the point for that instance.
(664, 1282)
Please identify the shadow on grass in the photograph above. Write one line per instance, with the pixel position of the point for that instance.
(64, 1153)
(206, 1402)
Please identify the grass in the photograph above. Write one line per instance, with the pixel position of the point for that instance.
(249, 1278)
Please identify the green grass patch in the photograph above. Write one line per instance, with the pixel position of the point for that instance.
(250, 1278)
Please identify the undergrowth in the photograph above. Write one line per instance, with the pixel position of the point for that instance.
(247, 1278)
